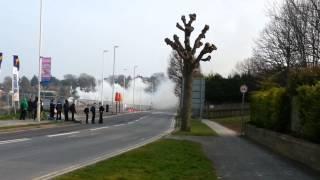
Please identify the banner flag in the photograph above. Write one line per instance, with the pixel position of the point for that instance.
(0, 60)
(15, 78)
(46, 70)
(16, 62)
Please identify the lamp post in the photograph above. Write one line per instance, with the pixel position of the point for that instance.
(114, 62)
(39, 75)
(134, 84)
(102, 77)
(124, 88)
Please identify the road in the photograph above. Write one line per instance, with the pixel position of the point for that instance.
(37, 153)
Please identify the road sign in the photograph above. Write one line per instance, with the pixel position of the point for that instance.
(243, 89)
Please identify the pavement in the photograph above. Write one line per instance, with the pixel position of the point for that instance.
(45, 153)
(6, 123)
(236, 158)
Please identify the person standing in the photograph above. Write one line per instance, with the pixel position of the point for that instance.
(66, 110)
(30, 109)
(35, 107)
(101, 109)
(93, 111)
(73, 111)
(59, 110)
(52, 108)
(23, 108)
(86, 111)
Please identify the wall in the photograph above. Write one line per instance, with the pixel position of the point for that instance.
(296, 149)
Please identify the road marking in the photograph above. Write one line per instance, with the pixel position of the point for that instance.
(118, 125)
(63, 134)
(14, 141)
(95, 129)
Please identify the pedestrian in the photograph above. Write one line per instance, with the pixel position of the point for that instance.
(35, 107)
(59, 110)
(23, 109)
(30, 109)
(107, 108)
(86, 111)
(93, 111)
(66, 110)
(101, 109)
(52, 108)
(73, 111)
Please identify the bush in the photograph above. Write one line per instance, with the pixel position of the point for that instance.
(303, 76)
(270, 109)
(309, 111)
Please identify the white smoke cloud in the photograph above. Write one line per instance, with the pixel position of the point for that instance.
(162, 98)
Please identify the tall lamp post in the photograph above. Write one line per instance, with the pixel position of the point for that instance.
(39, 75)
(102, 77)
(124, 88)
(134, 84)
(114, 62)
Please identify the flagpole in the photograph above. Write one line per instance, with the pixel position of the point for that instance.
(39, 75)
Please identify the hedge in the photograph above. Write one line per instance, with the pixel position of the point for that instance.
(309, 111)
(270, 109)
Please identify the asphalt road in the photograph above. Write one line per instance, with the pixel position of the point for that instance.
(34, 154)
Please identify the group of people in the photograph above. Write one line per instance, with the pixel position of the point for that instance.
(29, 107)
(58, 108)
(92, 109)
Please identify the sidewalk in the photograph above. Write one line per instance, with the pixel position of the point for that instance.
(236, 158)
(7, 123)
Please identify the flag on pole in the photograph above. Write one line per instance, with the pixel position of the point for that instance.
(46, 70)
(15, 78)
(16, 62)
(0, 59)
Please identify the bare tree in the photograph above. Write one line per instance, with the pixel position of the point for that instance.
(174, 72)
(190, 62)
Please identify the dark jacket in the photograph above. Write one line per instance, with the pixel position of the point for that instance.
(73, 108)
(59, 107)
(86, 110)
(66, 107)
(93, 109)
(101, 109)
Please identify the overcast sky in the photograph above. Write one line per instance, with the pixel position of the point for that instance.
(75, 32)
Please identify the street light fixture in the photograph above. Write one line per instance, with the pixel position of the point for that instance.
(102, 78)
(124, 88)
(114, 62)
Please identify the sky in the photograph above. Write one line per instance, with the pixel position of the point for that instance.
(75, 33)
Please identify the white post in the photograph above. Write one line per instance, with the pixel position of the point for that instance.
(134, 85)
(114, 62)
(102, 75)
(39, 75)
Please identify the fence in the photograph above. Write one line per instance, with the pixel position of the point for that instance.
(225, 110)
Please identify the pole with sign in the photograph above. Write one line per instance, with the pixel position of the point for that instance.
(243, 90)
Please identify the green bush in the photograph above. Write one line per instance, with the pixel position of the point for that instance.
(302, 76)
(309, 111)
(270, 109)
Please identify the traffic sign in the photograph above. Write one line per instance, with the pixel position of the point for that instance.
(244, 89)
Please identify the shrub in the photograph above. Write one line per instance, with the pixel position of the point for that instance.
(270, 109)
(309, 111)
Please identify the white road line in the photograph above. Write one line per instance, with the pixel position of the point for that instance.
(118, 125)
(95, 129)
(14, 141)
(63, 134)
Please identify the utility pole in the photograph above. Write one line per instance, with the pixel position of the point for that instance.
(114, 62)
(134, 85)
(39, 75)
(102, 77)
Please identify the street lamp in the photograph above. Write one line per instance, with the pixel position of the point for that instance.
(134, 84)
(114, 62)
(102, 78)
(124, 88)
(39, 75)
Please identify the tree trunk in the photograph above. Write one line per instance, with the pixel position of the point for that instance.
(187, 101)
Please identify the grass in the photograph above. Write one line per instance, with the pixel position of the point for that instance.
(197, 129)
(9, 116)
(233, 123)
(164, 159)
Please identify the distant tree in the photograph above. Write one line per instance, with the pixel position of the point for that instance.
(70, 80)
(34, 81)
(86, 82)
(191, 62)
(174, 71)
(25, 86)
(7, 84)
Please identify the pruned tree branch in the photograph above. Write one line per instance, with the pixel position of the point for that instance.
(207, 49)
(198, 43)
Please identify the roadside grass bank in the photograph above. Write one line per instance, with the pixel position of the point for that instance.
(14, 128)
(197, 129)
(163, 159)
(234, 123)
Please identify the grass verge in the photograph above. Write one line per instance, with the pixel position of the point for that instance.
(164, 159)
(233, 123)
(197, 129)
